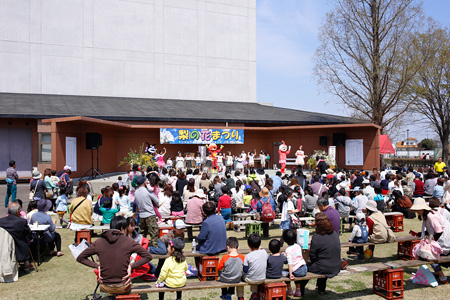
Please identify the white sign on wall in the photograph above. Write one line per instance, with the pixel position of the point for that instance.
(332, 154)
(71, 152)
(354, 152)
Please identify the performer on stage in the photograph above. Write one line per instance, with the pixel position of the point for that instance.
(214, 151)
(300, 161)
(283, 151)
(160, 163)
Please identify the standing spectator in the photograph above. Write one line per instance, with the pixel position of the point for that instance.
(224, 206)
(148, 220)
(11, 182)
(37, 186)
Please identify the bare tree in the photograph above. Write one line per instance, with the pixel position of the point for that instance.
(365, 57)
(430, 89)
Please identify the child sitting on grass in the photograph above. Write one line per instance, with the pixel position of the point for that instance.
(296, 263)
(275, 261)
(173, 272)
(61, 206)
(231, 267)
(255, 265)
(107, 211)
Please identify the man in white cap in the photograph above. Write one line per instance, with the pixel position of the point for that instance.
(368, 190)
(163, 242)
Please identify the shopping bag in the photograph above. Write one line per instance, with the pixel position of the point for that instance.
(427, 249)
(303, 238)
(423, 276)
(76, 250)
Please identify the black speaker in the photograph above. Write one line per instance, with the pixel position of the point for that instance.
(338, 139)
(93, 140)
(323, 140)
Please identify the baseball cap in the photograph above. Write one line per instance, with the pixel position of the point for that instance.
(179, 224)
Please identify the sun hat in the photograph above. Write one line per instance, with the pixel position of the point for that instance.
(44, 205)
(360, 216)
(260, 171)
(66, 167)
(420, 204)
(356, 188)
(140, 179)
(329, 171)
(177, 243)
(199, 193)
(264, 192)
(366, 181)
(372, 206)
(36, 174)
(179, 224)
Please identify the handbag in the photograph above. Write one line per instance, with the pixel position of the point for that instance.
(49, 194)
(427, 249)
(424, 276)
(32, 193)
(295, 223)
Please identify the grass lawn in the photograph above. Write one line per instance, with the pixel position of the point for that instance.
(63, 278)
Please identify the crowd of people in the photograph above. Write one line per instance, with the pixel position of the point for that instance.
(146, 197)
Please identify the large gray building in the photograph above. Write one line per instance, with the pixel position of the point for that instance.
(167, 49)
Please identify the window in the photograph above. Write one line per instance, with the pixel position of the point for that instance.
(45, 147)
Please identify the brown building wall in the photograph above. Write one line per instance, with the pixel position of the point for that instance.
(117, 142)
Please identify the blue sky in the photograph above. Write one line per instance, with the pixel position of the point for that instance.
(286, 35)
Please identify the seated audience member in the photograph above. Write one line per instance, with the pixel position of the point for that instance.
(255, 265)
(230, 266)
(324, 253)
(402, 203)
(114, 250)
(18, 228)
(52, 237)
(213, 235)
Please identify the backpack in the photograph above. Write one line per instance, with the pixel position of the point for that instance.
(302, 207)
(267, 213)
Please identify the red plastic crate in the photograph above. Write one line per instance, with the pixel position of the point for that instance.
(405, 249)
(272, 291)
(395, 222)
(128, 297)
(388, 283)
(163, 230)
(83, 235)
(207, 268)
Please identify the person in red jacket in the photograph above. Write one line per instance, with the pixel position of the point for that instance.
(224, 206)
(418, 187)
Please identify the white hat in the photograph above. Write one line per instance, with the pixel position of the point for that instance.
(420, 204)
(66, 167)
(366, 181)
(36, 174)
(372, 205)
(199, 193)
(179, 224)
(360, 216)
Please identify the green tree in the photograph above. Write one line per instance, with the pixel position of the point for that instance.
(365, 56)
(430, 89)
(428, 144)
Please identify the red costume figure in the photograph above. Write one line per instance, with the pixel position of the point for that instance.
(214, 151)
(283, 151)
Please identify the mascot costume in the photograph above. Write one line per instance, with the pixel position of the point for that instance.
(212, 148)
(283, 151)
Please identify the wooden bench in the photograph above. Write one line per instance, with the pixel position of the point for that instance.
(383, 273)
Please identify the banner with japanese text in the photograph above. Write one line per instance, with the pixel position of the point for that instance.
(201, 136)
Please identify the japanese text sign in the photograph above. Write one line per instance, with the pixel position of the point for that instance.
(201, 136)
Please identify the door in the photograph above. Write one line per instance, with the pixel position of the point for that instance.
(16, 145)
